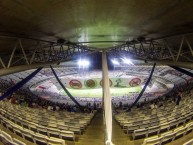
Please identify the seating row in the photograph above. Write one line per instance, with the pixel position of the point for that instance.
(76, 127)
(34, 125)
(169, 135)
(157, 116)
(50, 132)
(46, 115)
(190, 142)
(149, 131)
(7, 139)
(34, 137)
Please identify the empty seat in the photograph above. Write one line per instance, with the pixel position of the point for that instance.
(164, 127)
(190, 142)
(153, 130)
(173, 124)
(6, 135)
(152, 141)
(180, 132)
(168, 137)
(27, 134)
(40, 139)
(9, 127)
(132, 128)
(18, 141)
(53, 132)
(18, 132)
(67, 135)
(32, 127)
(42, 130)
(54, 141)
(139, 133)
(63, 127)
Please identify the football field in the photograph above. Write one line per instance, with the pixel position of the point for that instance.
(98, 92)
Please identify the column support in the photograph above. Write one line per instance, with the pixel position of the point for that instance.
(107, 100)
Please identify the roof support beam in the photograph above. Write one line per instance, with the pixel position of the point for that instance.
(188, 65)
(12, 54)
(180, 49)
(14, 69)
(170, 51)
(2, 63)
(24, 54)
(34, 52)
(189, 46)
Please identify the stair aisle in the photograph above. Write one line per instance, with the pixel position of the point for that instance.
(119, 137)
(94, 134)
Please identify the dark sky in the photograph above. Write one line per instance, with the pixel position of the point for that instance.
(96, 61)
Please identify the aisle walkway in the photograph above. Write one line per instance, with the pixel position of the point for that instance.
(120, 138)
(94, 134)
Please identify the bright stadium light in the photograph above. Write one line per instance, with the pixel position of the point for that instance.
(83, 63)
(115, 62)
(127, 61)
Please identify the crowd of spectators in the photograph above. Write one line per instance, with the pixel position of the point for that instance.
(174, 96)
(49, 105)
(29, 101)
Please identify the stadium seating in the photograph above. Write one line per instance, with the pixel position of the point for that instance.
(190, 142)
(7, 139)
(45, 128)
(164, 124)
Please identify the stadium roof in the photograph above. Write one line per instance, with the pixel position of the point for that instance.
(96, 20)
(86, 25)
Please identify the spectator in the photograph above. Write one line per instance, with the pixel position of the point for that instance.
(120, 104)
(179, 97)
(54, 108)
(57, 108)
(152, 106)
(49, 107)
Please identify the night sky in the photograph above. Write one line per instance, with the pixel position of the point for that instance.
(96, 61)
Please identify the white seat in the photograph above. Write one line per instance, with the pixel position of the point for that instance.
(180, 132)
(28, 135)
(53, 132)
(67, 135)
(190, 142)
(132, 128)
(55, 141)
(18, 141)
(153, 130)
(155, 140)
(39, 138)
(6, 135)
(164, 127)
(168, 136)
(139, 133)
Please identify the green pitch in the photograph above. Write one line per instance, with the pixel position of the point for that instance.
(93, 93)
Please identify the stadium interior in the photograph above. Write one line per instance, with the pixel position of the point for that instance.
(96, 72)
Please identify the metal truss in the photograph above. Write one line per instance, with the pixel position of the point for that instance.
(156, 50)
(41, 53)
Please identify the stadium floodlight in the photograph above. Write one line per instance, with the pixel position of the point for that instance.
(83, 63)
(115, 62)
(127, 61)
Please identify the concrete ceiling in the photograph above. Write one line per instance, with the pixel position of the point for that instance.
(93, 20)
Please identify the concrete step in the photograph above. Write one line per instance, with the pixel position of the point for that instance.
(94, 134)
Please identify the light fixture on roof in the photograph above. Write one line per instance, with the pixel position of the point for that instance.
(115, 62)
(83, 63)
(127, 61)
